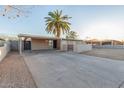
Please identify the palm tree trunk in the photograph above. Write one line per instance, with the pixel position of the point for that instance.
(58, 34)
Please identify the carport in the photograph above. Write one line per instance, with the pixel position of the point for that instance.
(35, 42)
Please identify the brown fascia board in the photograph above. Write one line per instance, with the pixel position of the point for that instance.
(36, 36)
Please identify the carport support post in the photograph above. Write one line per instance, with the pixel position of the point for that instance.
(112, 42)
(20, 45)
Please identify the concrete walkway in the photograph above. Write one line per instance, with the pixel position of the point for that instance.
(14, 72)
(68, 70)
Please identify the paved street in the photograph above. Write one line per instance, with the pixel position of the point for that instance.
(65, 70)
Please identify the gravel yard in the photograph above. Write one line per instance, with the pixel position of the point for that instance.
(14, 72)
(117, 54)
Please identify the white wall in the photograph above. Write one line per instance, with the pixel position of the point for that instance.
(110, 46)
(4, 50)
(63, 46)
(82, 48)
(78, 46)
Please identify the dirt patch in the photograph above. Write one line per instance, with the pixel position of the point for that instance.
(14, 72)
(117, 54)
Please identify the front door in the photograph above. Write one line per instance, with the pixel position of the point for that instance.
(54, 44)
(27, 45)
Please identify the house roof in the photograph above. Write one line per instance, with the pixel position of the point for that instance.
(44, 37)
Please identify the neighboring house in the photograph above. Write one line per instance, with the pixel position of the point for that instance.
(104, 42)
(35, 42)
(93, 42)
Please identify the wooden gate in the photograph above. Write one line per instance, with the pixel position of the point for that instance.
(70, 47)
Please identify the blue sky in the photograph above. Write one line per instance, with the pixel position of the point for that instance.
(101, 22)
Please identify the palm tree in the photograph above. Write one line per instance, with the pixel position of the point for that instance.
(72, 35)
(57, 23)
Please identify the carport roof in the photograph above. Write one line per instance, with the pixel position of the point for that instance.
(36, 36)
(44, 37)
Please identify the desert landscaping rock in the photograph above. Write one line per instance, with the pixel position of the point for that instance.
(14, 72)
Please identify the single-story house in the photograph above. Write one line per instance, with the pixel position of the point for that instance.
(112, 42)
(36, 42)
(104, 42)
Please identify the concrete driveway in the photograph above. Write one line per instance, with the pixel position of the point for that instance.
(69, 70)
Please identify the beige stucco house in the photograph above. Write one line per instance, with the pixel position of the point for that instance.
(35, 42)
